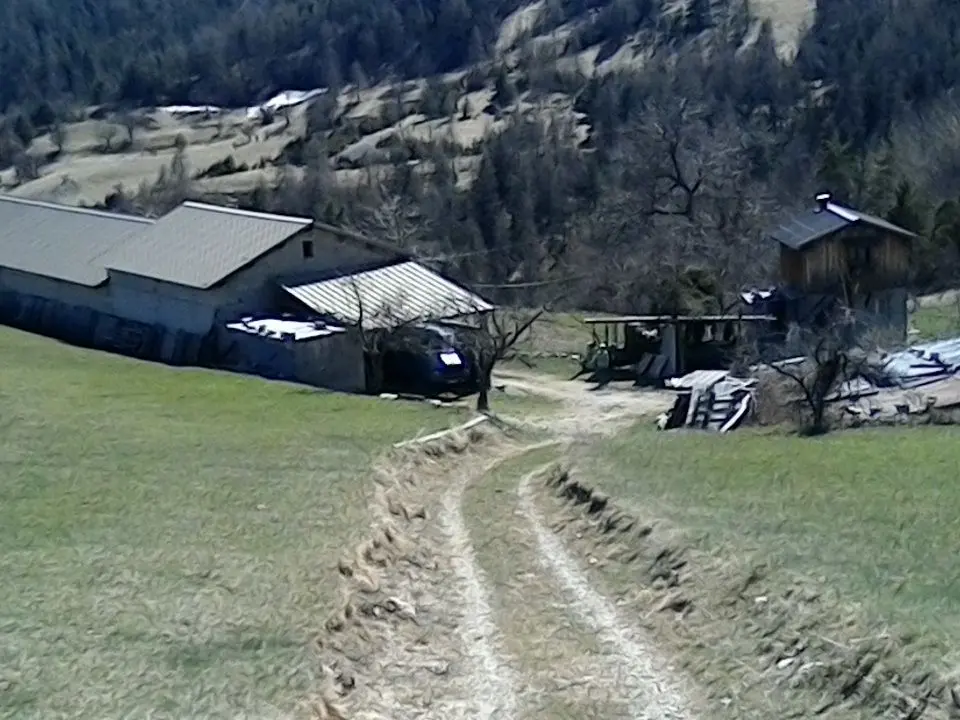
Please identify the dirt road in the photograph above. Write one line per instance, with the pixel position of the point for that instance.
(586, 410)
(504, 621)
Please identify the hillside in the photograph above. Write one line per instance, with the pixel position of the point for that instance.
(377, 124)
(679, 128)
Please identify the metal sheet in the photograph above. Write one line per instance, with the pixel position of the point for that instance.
(813, 224)
(283, 328)
(697, 379)
(668, 319)
(808, 227)
(199, 245)
(925, 360)
(389, 296)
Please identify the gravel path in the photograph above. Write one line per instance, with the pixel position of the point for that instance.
(516, 631)
(638, 668)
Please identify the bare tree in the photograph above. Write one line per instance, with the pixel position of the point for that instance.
(373, 337)
(58, 136)
(129, 122)
(681, 191)
(395, 221)
(107, 133)
(170, 189)
(490, 342)
(499, 334)
(830, 357)
(26, 168)
(380, 328)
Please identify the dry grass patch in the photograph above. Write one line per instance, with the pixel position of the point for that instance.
(393, 640)
(168, 538)
(794, 576)
(566, 666)
(934, 322)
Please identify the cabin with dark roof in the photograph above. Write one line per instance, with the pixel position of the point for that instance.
(859, 260)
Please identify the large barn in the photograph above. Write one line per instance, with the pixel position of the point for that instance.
(173, 289)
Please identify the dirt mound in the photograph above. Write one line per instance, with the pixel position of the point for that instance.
(391, 622)
(763, 644)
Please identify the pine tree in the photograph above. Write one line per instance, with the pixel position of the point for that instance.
(697, 17)
(836, 169)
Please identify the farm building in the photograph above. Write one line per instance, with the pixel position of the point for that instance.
(167, 289)
(831, 252)
(388, 295)
(52, 278)
(311, 352)
(202, 265)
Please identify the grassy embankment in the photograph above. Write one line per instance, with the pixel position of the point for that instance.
(168, 537)
(848, 543)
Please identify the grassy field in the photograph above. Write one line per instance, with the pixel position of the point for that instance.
(167, 537)
(871, 513)
(551, 345)
(937, 321)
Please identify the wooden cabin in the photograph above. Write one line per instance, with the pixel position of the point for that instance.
(860, 260)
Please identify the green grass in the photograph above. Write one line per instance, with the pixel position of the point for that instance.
(874, 512)
(168, 537)
(558, 367)
(936, 322)
(557, 332)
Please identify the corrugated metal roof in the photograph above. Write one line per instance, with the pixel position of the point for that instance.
(673, 319)
(60, 241)
(920, 362)
(814, 224)
(389, 296)
(199, 245)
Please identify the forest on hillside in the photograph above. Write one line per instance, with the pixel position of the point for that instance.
(690, 157)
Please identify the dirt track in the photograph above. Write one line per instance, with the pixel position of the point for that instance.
(501, 620)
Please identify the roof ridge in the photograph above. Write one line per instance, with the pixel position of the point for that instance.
(247, 213)
(848, 214)
(30, 202)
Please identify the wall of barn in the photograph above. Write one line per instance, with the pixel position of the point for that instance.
(825, 264)
(61, 291)
(82, 316)
(334, 362)
(886, 311)
(176, 307)
(255, 288)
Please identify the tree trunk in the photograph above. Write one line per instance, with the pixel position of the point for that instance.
(374, 373)
(483, 397)
(816, 423)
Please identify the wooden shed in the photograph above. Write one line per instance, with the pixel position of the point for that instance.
(861, 260)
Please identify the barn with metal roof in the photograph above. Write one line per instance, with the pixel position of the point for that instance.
(52, 278)
(201, 265)
(389, 295)
(162, 288)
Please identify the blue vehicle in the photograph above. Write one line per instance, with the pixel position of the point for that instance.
(430, 359)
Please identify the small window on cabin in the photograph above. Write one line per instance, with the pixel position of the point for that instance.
(307, 249)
